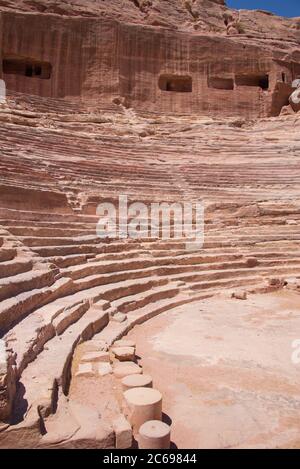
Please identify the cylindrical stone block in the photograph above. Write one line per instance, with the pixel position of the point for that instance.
(154, 434)
(136, 381)
(143, 404)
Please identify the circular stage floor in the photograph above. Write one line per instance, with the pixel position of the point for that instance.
(225, 369)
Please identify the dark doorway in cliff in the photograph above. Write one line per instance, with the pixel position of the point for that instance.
(26, 67)
(220, 83)
(176, 83)
(260, 81)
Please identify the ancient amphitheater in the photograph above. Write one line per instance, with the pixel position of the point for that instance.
(163, 101)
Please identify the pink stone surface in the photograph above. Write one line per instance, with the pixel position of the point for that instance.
(164, 101)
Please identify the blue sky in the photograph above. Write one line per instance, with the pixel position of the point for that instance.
(279, 7)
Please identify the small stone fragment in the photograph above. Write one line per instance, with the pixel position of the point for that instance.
(123, 431)
(124, 353)
(104, 369)
(124, 343)
(122, 369)
(119, 317)
(277, 282)
(95, 357)
(239, 295)
(85, 370)
(252, 262)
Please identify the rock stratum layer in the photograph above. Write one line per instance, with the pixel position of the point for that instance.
(109, 98)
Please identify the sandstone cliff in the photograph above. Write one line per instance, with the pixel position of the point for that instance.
(178, 56)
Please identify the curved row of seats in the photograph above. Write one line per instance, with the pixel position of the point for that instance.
(60, 283)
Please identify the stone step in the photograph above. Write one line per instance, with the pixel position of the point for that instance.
(82, 248)
(70, 260)
(47, 376)
(13, 309)
(129, 287)
(156, 248)
(274, 255)
(176, 271)
(80, 259)
(215, 275)
(36, 216)
(77, 425)
(66, 241)
(45, 221)
(15, 266)
(219, 285)
(50, 231)
(112, 278)
(62, 251)
(130, 303)
(93, 268)
(163, 273)
(123, 255)
(7, 254)
(32, 280)
(69, 316)
(28, 337)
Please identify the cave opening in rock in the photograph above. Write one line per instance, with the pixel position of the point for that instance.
(260, 81)
(220, 83)
(28, 71)
(26, 67)
(176, 83)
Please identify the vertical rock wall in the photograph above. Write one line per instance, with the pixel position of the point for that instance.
(96, 60)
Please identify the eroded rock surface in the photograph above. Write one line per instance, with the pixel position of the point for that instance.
(138, 100)
(161, 56)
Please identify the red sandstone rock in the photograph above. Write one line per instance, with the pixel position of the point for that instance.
(252, 262)
(246, 83)
(161, 101)
(124, 353)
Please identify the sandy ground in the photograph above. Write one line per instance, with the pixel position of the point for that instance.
(225, 369)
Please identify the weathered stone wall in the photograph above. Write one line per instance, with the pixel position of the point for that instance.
(145, 55)
(96, 60)
(80, 51)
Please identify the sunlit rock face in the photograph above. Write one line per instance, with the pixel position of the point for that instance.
(180, 57)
